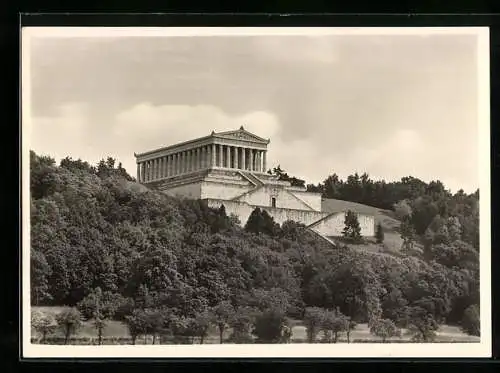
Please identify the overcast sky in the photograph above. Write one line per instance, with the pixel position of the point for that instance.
(391, 106)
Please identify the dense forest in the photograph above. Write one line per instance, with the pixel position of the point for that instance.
(113, 249)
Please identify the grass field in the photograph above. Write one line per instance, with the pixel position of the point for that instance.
(118, 330)
(390, 225)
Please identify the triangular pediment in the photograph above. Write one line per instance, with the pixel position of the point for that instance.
(241, 134)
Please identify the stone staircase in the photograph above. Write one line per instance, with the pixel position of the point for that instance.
(254, 180)
(251, 177)
(325, 238)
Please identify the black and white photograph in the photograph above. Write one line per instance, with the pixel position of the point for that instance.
(256, 192)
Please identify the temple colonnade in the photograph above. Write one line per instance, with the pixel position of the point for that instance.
(202, 157)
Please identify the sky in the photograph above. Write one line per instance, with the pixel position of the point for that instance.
(388, 105)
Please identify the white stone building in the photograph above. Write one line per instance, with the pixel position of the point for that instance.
(230, 168)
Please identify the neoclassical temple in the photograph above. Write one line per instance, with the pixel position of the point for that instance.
(229, 168)
(238, 150)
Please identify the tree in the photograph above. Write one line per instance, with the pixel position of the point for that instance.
(39, 275)
(42, 323)
(155, 320)
(282, 175)
(269, 326)
(222, 314)
(379, 234)
(70, 321)
(385, 328)
(313, 321)
(402, 209)
(334, 323)
(407, 234)
(351, 325)
(137, 324)
(421, 324)
(471, 320)
(241, 323)
(96, 306)
(260, 221)
(352, 230)
(454, 228)
(201, 324)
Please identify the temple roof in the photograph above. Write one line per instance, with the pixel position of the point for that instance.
(239, 134)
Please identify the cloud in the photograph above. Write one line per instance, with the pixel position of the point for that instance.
(63, 134)
(156, 126)
(384, 105)
(144, 126)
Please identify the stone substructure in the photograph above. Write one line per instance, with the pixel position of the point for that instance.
(229, 168)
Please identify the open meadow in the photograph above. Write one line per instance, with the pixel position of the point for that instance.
(116, 332)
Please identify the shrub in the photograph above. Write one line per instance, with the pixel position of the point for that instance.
(385, 328)
(313, 320)
(471, 321)
(43, 324)
(70, 321)
(269, 326)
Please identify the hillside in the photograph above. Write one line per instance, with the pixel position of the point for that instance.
(390, 224)
(122, 253)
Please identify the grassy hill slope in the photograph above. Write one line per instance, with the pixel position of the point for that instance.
(390, 224)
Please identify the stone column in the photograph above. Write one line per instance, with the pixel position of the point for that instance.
(220, 161)
(176, 164)
(264, 165)
(236, 157)
(243, 157)
(204, 157)
(214, 160)
(208, 156)
(257, 161)
(250, 160)
(228, 156)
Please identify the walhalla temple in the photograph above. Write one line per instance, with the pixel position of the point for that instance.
(229, 168)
